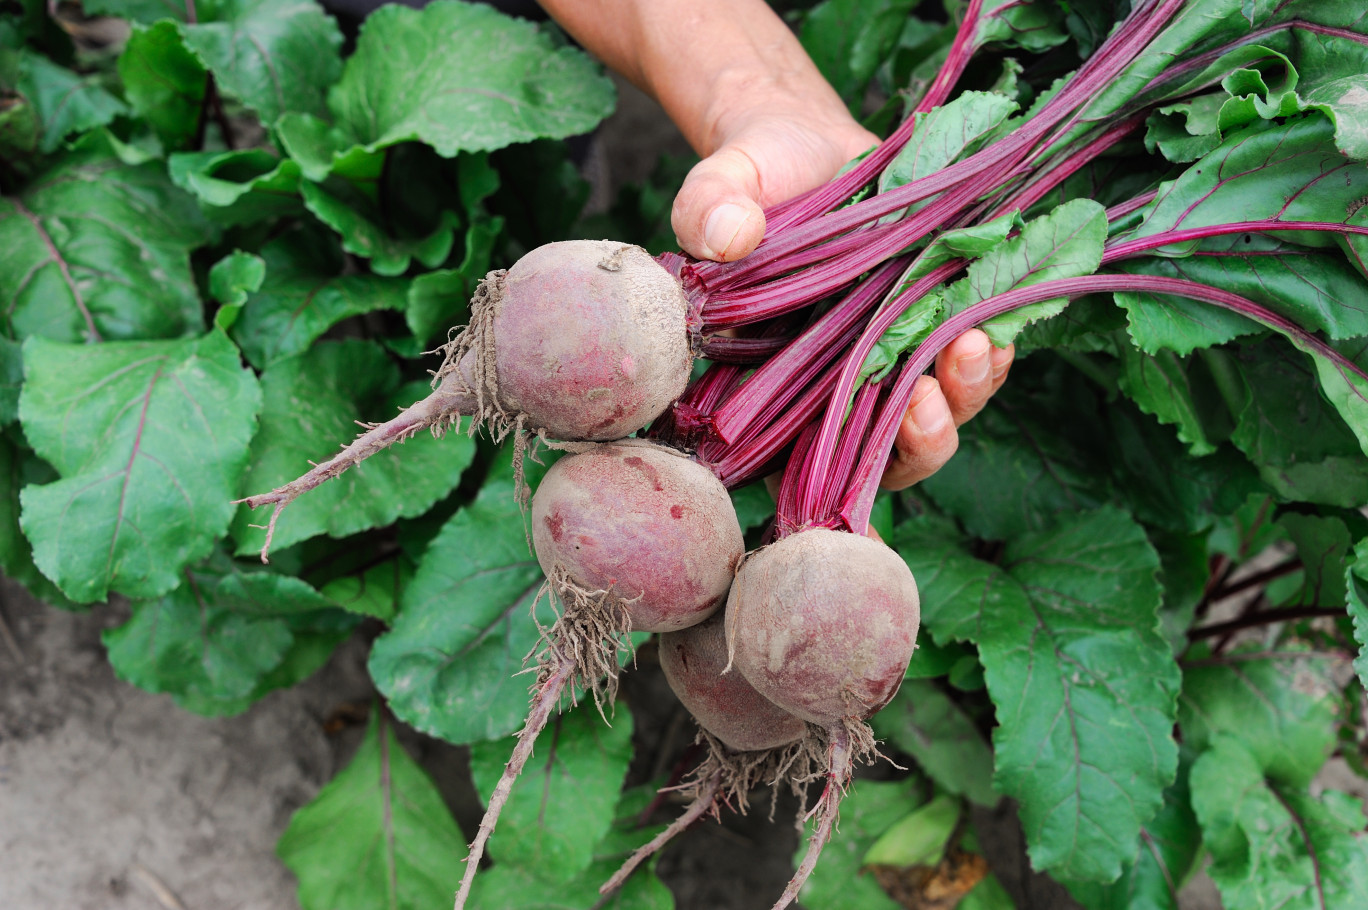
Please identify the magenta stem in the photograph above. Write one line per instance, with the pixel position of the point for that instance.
(1129, 248)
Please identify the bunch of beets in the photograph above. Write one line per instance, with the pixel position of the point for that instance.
(814, 343)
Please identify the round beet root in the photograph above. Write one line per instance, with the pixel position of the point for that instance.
(579, 340)
(823, 623)
(644, 523)
(724, 704)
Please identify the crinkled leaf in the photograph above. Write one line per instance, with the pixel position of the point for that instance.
(562, 805)
(943, 134)
(458, 77)
(1356, 582)
(311, 403)
(1289, 171)
(164, 82)
(213, 638)
(1282, 709)
(1275, 846)
(239, 187)
(438, 301)
(1164, 322)
(910, 330)
(378, 835)
(1170, 844)
(923, 722)
(869, 809)
(1066, 243)
(449, 663)
(302, 296)
(63, 101)
(1032, 25)
(100, 249)
(1085, 690)
(963, 243)
(150, 439)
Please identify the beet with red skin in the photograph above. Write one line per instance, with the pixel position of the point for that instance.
(823, 623)
(589, 338)
(644, 522)
(723, 703)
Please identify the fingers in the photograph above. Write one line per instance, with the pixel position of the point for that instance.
(716, 215)
(969, 371)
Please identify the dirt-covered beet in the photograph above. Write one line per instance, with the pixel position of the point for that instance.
(643, 522)
(723, 703)
(579, 340)
(823, 623)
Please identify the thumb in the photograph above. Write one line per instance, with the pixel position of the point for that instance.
(716, 214)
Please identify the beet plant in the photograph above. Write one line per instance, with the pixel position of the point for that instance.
(1141, 586)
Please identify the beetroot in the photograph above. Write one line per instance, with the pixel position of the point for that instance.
(823, 623)
(751, 741)
(643, 521)
(579, 340)
(633, 536)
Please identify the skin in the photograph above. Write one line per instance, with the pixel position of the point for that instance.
(744, 93)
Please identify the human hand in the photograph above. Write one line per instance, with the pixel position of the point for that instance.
(774, 150)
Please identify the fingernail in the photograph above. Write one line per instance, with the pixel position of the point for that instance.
(974, 368)
(1002, 360)
(931, 414)
(721, 228)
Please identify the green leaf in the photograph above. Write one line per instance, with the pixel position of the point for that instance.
(1299, 442)
(235, 276)
(150, 439)
(1356, 582)
(164, 82)
(239, 187)
(448, 665)
(389, 255)
(923, 722)
(1066, 243)
(11, 379)
(1274, 846)
(943, 134)
(214, 638)
(376, 836)
(848, 39)
(512, 887)
(440, 300)
(1032, 25)
(63, 101)
(1282, 709)
(272, 55)
(1085, 691)
(19, 467)
(313, 398)
(375, 592)
(909, 330)
(562, 805)
(1325, 546)
(302, 295)
(1170, 845)
(1029, 457)
(1177, 390)
(868, 810)
(458, 77)
(919, 838)
(97, 249)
